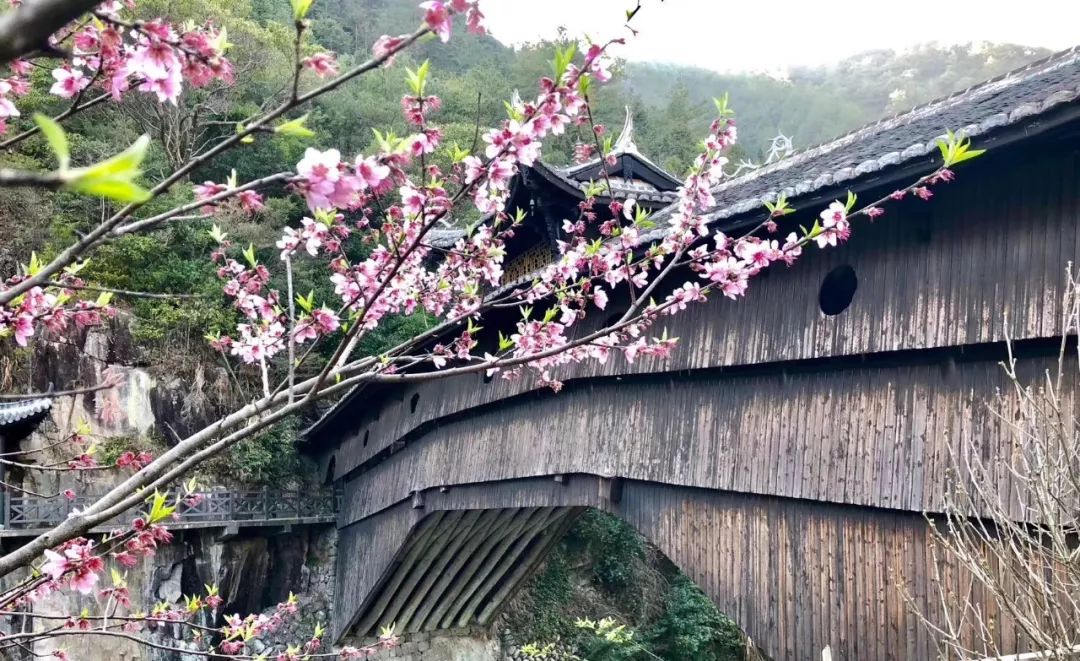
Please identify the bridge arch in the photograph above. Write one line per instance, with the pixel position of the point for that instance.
(793, 575)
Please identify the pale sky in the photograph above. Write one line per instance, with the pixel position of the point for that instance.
(769, 35)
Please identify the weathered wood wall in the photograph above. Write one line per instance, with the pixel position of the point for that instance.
(796, 575)
(871, 435)
(799, 575)
(983, 261)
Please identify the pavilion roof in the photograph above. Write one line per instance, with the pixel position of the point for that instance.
(23, 411)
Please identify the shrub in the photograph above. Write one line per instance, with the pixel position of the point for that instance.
(692, 628)
(615, 548)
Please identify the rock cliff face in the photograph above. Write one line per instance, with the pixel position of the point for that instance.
(254, 573)
(148, 408)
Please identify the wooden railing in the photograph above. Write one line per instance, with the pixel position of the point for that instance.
(214, 509)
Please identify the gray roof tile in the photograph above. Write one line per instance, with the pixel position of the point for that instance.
(12, 413)
(1010, 98)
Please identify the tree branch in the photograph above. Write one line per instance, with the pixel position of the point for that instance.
(29, 27)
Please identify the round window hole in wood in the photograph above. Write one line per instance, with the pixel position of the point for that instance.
(838, 290)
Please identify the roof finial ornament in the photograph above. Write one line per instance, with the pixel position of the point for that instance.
(780, 147)
(625, 141)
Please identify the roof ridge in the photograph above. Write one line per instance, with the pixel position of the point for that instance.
(17, 403)
(1039, 63)
(871, 128)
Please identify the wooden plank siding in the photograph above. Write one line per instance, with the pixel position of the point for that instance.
(799, 575)
(795, 575)
(782, 458)
(984, 260)
(713, 430)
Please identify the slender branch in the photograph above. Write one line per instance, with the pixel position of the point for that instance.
(76, 106)
(292, 324)
(12, 178)
(28, 28)
(124, 292)
(53, 394)
(176, 213)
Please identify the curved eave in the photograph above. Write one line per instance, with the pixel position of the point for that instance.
(594, 169)
(574, 188)
(1014, 106)
(19, 419)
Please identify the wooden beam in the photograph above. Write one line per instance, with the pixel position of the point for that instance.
(472, 525)
(551, 535)
(440, 537)
(490, 523)
(420, 540)
(507, 555)
(483, 561)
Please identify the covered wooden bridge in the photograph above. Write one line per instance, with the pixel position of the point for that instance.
(784, 456)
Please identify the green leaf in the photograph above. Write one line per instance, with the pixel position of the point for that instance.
(126, 163)
(505, 343)
(418, 79)
(34, 267)
(584, 83)
(221, 42)
(722, 109)
(851, 199)
(300, 8)
(120, 191)
(103, 299)
(306, 304)
(159, 510)
(456, 153)
(295, 128)
(57, 139)
(216, 234)
(75, 268)
(512, 112)
(249, 255)
(957, 149)
(114, 177)
(562, 61)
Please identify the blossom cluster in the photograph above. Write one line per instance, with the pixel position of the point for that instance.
(53, 309)
(153, 56)
(438, 15)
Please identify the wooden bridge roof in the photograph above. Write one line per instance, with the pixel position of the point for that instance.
(1021, 97)
(1016, 106)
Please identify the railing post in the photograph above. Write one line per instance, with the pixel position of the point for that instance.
(4, 504)
(266, 503)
